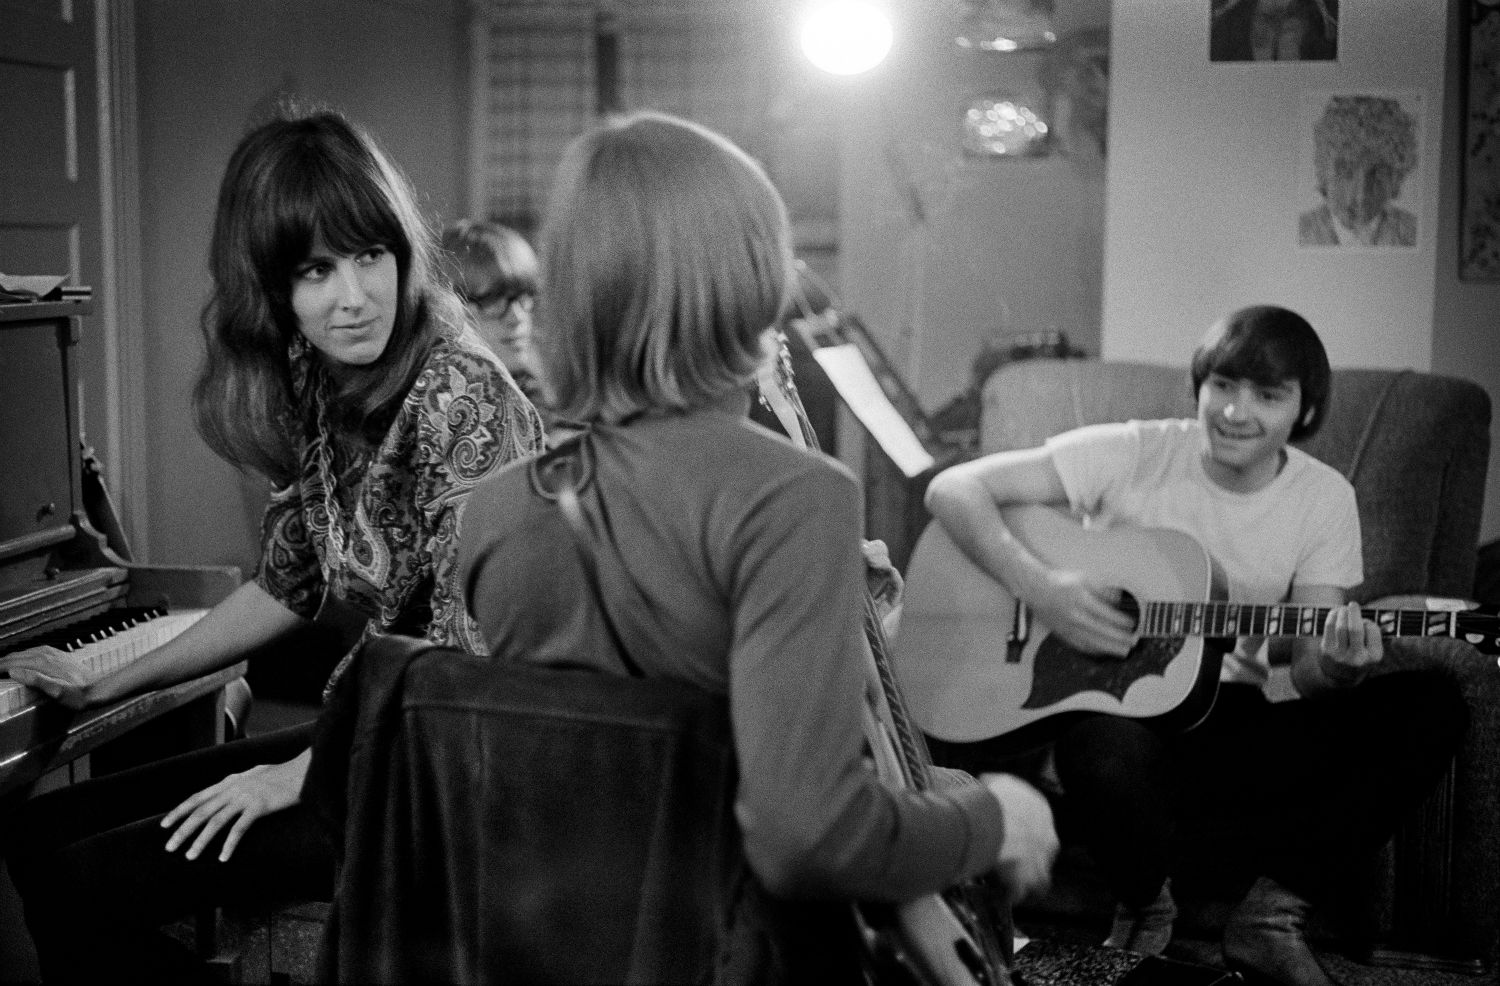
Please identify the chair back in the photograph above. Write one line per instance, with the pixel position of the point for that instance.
(509, 822)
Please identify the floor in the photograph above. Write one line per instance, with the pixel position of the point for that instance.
(1066, 956)
(279, 948)
(1056, 957)
(288, 960)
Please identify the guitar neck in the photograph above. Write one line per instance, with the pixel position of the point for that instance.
(1224, 619)
(778, 389)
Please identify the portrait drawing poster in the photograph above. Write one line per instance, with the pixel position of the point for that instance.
(1361, 163)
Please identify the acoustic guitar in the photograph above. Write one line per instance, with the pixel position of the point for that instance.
(942, 939)
(975, 666)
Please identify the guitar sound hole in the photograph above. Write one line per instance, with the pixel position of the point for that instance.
(1130, 606)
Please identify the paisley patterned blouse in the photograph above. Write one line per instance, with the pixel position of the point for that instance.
(385, 539)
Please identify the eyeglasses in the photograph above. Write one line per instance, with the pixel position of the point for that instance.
(500, 307)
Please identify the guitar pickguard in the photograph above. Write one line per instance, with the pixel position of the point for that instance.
(965, 679)
(1060, 671)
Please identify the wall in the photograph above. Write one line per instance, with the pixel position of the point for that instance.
(1201, 215)
(939, 253)
(1012, 246)
(1204, 164)
(204, 68)
(1466, 322)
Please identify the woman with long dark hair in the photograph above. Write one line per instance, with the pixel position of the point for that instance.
(344, 370)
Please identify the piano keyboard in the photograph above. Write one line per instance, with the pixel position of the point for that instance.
(102, 644)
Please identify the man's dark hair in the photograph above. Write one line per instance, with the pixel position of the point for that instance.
(1269, 345)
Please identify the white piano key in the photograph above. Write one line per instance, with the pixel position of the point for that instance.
(107, 654)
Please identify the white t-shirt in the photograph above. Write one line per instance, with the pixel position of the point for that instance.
(1301, 528)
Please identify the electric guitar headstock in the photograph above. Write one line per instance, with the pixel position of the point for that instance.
(778, 392)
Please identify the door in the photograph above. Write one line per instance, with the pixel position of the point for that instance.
(53, 198)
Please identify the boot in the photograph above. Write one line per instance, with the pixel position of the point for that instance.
(1145, 930)
(1263, 938)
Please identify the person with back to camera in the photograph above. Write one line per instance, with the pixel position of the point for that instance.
(1298, 791)
(340, 367)
(667, 254)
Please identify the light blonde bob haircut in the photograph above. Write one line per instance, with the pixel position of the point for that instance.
(666, 253)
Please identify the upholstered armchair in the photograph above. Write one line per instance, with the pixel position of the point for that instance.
(1416, 447)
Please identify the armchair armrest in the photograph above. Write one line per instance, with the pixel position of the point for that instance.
(1473, 793)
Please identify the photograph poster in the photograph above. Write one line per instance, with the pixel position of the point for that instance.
(1359, 167)
(1273, 30)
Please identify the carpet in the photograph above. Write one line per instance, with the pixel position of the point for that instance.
(1064, 956)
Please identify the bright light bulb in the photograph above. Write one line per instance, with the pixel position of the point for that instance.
(846, 37)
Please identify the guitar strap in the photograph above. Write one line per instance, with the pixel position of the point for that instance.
(560, 475)
(761, 940)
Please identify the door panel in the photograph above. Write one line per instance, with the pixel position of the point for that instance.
(51, 198)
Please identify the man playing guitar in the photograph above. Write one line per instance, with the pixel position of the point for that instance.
(1296, 791)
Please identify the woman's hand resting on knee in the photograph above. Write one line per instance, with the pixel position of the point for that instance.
(237, 801)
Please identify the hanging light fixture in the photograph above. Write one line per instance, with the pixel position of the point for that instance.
(845, 37)
(999, 125)
(1005, 25)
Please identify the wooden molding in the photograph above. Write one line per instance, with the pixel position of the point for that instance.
(121, 310)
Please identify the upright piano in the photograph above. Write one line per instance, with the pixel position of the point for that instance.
(62, 584)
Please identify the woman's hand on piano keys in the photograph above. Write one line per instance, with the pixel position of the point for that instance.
(51, 672)
(237, 801)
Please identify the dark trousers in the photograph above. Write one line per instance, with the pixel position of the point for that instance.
(1302, 791)
(97, 884)
(1299, 791)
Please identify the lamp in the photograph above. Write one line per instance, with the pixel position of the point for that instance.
(845, 37)
(1005, 25)
(999, 125)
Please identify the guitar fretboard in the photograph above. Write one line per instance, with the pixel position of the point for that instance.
(1224, 619)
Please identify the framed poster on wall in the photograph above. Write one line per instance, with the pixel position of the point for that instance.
(1360, 170)
(1273, 31)
(1479, 243)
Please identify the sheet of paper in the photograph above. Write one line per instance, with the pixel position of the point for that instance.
(29, 285)
(852, 378)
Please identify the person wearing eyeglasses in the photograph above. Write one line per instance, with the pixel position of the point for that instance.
(495, 271)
